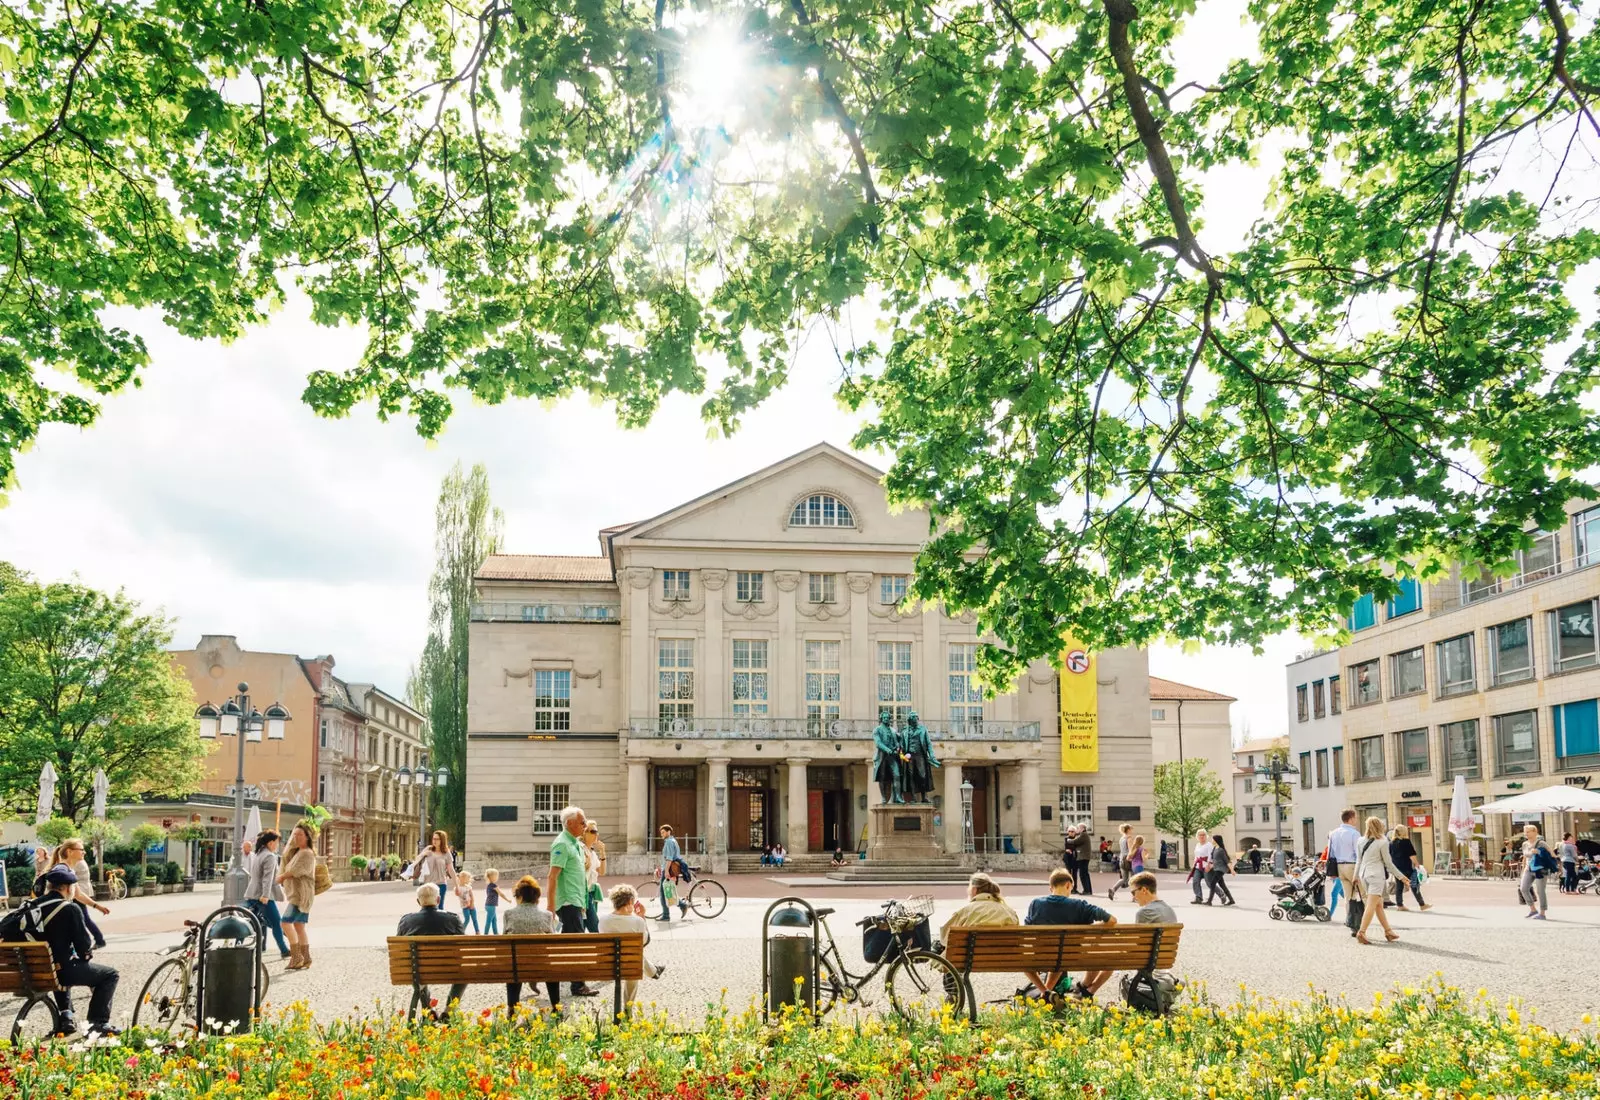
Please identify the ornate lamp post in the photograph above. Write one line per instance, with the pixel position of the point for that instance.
(422, 779)
(1276, 769)
(238, 718)
(966, 815)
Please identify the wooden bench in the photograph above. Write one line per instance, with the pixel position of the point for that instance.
(27, 970)
(421, 961)
(1049, 948)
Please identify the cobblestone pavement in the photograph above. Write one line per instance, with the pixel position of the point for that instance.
(1475, 937)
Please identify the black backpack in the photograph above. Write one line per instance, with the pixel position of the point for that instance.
(27, 925)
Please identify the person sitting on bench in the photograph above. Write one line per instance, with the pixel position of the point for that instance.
(59, 921)
(430, 920)
(1060, 907)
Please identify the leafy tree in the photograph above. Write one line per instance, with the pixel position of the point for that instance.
(146, 835)
(86, 683)
(467, 529)
(56, 830)
(1189, 797)
(1120, 421)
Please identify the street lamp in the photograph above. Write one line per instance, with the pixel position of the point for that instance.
(966, 815)
(238, 718)
(1276, 768)
(423, 779)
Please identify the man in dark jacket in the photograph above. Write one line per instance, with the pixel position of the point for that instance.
(430, 920)
(60, 923)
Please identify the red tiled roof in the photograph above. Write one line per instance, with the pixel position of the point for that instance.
(545, 567)
(1171, 689)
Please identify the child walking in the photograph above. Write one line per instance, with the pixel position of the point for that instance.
(469, 906)
(491, 902)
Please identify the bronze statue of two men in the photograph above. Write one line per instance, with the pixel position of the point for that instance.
(903, 760)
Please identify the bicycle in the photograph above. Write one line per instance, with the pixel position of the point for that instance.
(168, 996)
(116, 884)
(706, 897)
(919, 982)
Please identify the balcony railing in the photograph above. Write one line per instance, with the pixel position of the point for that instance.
(501, 612)
(838, 729)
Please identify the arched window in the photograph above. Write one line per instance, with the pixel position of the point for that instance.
(821, 510)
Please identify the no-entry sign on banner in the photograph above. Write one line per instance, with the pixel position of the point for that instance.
(1080, 710)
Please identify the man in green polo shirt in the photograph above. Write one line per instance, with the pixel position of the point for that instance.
(569, 884)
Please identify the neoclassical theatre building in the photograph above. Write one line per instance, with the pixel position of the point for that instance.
(720, 668)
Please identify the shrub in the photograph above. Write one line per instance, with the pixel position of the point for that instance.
(57, 829)
(392, 860)
(171, 873)
(19, 880)
(120, 855)
(133, 875)
(358, 862)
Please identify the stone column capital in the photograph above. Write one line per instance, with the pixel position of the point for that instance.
(797, 761)
(787, 579)
(859, 582)
(638, 576)
(714, 579)
(719, 761)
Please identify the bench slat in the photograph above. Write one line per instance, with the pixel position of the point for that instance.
(25, 967)
(1063, 947)
(501, 959)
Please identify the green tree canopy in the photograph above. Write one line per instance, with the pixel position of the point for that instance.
(1121, 421)
(86, 683)
(1189, 797)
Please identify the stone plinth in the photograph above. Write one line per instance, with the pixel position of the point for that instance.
(903, 832)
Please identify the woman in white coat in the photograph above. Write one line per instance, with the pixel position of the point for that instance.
(1375, 869)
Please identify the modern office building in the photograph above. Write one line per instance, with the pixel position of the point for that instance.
(1493, 678)
(1315, 723)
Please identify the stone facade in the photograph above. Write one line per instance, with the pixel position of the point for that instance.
(720, 667)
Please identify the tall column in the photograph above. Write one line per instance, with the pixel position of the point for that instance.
(714, 662)
(932, 692)
(798, 838)
(641, 699)
(638, 805)
(788, 672)
(1028, 803)
(717, 816)
(952, 807)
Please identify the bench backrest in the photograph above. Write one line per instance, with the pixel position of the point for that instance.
(1054, 947)
(26, 968)
(470, 960)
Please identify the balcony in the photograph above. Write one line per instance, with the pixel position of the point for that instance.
(839, 729)
(499, 612)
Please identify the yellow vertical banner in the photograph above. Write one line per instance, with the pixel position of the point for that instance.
(1080, 710)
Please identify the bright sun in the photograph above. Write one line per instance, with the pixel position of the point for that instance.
(717, 76)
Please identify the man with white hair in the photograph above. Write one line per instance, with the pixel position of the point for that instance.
(569, 882)
(430, 920)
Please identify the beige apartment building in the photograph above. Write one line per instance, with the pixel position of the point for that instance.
(720, 667)
(1191, 723)
(1495, 679)
(394, 737)
(1257, 815)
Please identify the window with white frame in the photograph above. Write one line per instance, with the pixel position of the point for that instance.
(1511, 651)
(552, 700)
(1457, 675)
(749, 587)
(1479, 586)
(1369, 757)
(675, 584)
(1158, 714)
(966, 698)
(1406, 673)
(823, 685)
(821, 510)
(1249, 814)
(675, 680)
(894, 680)
(324, 734)
(1076, 804)
(549, 799)
(1572, 635)
(749, 677)
(892, 587)
(1541, 560)
(1586, 536)
(322, 789)
(823, 587)
(1368, 682)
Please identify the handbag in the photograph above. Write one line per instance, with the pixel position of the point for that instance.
(322, 881)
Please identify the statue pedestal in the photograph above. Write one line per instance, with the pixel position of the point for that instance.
(903, 832)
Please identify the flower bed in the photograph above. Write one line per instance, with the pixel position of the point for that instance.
(1432, 1043)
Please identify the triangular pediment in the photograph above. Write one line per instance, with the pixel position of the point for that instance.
(759, 507)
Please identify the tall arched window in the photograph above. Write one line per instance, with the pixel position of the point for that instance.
(821, 510)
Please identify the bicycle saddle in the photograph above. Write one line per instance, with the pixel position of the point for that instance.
(824, 913)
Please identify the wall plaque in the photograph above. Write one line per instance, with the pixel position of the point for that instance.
(908, 824)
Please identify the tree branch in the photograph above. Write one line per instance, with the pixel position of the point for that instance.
(1576, 88)
(830, 96)
(66, 103)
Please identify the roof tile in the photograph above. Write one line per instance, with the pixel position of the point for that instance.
(545, 567)
(1171, 689)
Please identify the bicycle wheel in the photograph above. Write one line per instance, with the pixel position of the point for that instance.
(708, 898)
(650, 897)
(829, 986)
(119, 888)
(266, 979)
(921, 984)
(163, 1003)
(36, 1022)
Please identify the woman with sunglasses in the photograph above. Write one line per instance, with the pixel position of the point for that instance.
(71, 853)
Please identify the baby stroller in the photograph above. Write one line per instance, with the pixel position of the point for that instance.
(1296, 897)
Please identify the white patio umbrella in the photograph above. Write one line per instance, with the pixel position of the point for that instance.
(47, 793)
(1462, 825)
(101, 786)
(1548, 800)
(252, 824)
